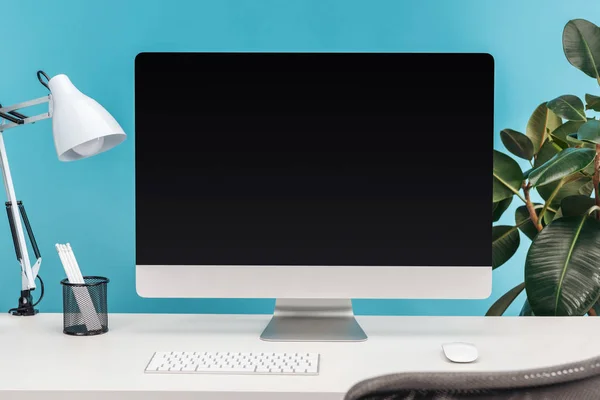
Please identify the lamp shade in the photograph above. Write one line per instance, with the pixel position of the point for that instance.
(81, 127)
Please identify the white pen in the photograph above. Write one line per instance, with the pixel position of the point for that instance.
(71, 255)
(72, 276)
(73, 263)
(64, 262)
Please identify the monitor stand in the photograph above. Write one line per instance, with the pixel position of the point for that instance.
(313, 320)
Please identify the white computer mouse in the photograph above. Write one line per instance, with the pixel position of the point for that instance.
(459, 352)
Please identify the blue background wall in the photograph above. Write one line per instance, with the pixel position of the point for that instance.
(90, 203)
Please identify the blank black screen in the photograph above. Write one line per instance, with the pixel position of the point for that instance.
(313, 159)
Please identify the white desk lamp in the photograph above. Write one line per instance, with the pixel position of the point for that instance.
(81, 128)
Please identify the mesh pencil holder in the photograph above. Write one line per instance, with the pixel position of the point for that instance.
(85, 311)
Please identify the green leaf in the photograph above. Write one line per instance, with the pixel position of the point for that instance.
(517, 143)
(500, 207)
(546, 153)
(581, 44)
(562, 268)
(581, 185)
(563, 144)
(548, 217)
(592, 102)
(558, 214)
(567, 129)
(574, 142)
(589, 170)
(576, 205)
(508, 177)
(590, 132)
(568, 107)
(523, 220)
(526, 311)
(565, 163)
(505, 242)
(500, 306)
(540, 123)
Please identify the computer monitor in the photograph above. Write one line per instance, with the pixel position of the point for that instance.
(313, 178)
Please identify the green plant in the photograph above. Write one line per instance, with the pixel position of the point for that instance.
(562, 144)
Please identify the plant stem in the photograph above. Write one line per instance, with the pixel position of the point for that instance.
(529, 204)
(596, 178)
(552, 196)
(557, 147)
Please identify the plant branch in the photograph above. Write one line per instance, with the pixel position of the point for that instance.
(596, 178)
(529, 204)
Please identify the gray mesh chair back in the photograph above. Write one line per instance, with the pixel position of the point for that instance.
(575, 381)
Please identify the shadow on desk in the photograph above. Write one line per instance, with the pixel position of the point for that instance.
(186, 324)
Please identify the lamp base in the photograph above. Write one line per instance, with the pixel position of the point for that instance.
(25, 308)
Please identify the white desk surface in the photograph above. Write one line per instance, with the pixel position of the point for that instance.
(39, 362)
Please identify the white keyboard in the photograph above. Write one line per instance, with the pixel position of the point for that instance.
(182, 362)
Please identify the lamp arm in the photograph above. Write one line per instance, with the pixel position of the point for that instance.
(10, 118)
(36, 250)
(34, 245)
(28, 279)
(15, 118)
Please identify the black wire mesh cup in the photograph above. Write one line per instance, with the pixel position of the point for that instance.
(85, 311)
